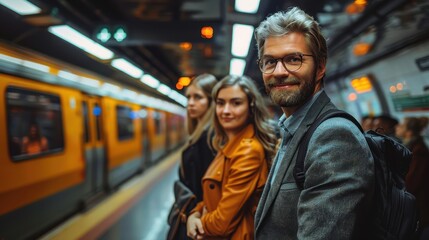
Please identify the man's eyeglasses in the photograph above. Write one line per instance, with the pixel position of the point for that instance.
(291, 62)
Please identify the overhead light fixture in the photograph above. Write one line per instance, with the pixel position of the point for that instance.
(76, 38)
(207, 32)
(150, 81)
(187, 46)
(21, 7)
(362, 84)
(237, 66)
(352, 97)
(360, 49)
(174, 95)
(178, 98)
(127, 67)
(184, 81)
(179, 86)
(241, 38)
(356, 7)
(164, 89)
(246, 6)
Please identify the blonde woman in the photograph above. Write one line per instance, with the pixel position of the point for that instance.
(197, 154)
(233, 183)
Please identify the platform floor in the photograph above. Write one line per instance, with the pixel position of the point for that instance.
(138, 210)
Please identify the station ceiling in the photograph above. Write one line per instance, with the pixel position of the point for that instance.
(157, 28)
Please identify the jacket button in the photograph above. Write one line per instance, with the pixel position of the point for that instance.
(212, 186)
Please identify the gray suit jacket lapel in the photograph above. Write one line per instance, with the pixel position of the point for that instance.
(270, 193)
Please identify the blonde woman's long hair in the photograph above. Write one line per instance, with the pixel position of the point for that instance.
(259, 117)
(195, 128)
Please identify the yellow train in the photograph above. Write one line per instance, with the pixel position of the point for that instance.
(62, 147)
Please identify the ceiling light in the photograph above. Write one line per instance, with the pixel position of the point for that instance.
(21, 7)
(360, 49)
(179, 86)
(241, 38)
(187, 46)
(150, 81)
(164, 89)
(127, 67)
(355, 8)
(247, 6)
(237, 66)
(178, 97)
(184, 81)
(175, 95)
(81, 41)
(362, 84)
(207, 32)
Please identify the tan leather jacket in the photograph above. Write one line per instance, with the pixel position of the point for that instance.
(232, 187)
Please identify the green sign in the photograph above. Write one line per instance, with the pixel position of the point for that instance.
(411, 103)
(117, 33)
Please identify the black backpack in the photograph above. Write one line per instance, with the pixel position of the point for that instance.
(395, 211)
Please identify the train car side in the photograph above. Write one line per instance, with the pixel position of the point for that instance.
(63, 150)
(38, 186)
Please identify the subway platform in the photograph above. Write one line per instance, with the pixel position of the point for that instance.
(138, 210)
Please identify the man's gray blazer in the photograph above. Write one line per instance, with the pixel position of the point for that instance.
(338, 187)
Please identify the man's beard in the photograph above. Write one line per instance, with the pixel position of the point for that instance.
(291, 98)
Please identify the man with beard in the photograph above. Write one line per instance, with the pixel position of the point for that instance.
(339, 176)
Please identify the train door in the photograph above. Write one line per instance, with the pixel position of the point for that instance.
(94, 145)
(145, 138)
(158, 134)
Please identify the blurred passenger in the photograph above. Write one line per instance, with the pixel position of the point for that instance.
(367, 123)
(339, 176)
(386, 124)
(417, 178)
(34, 142)
(197, 155)
(234, 181)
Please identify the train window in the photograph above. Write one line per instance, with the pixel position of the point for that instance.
(97, 114)
(125, 116)
(34, 123)
(85, 120)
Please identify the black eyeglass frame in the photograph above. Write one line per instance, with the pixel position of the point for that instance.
(301, 55)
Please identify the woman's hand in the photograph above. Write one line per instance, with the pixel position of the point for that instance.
(204, 211)
(194, 226)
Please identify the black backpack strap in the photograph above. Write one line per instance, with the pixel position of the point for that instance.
(298, 171)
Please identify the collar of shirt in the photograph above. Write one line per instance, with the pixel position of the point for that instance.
(289, 125)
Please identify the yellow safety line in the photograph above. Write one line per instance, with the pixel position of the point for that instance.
(97, 220)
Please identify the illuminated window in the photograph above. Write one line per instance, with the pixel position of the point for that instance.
(34, 123)
(125, 123)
